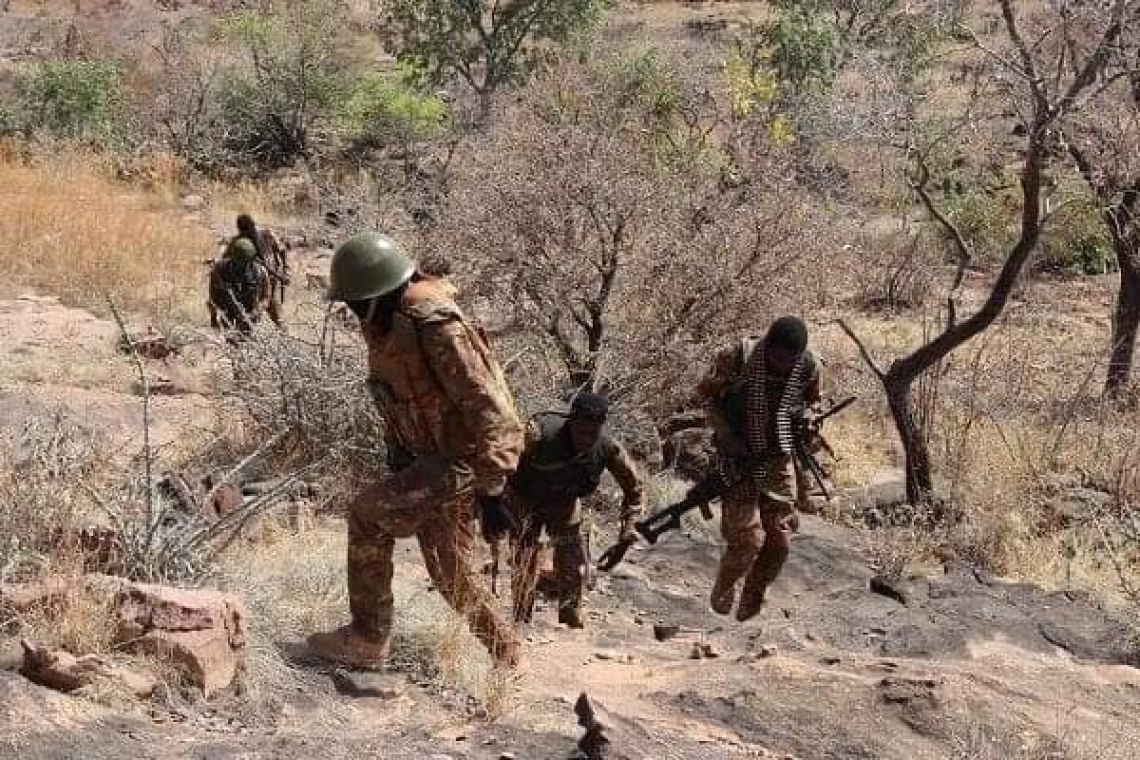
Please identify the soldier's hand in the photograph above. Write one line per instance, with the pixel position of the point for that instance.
(495, 519)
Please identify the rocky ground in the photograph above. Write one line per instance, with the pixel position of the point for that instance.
(959, 665)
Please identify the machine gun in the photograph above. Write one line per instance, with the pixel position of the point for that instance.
(651, 528)
(712, 486)
(809, 434)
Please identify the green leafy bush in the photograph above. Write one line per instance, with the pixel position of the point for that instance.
(1077, 242)
(382, 109)
(73, 99)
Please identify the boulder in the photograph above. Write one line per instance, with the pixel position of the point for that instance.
(202, 632)
(65, 672)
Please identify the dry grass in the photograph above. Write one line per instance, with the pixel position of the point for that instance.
(294, 584)
(70, 229)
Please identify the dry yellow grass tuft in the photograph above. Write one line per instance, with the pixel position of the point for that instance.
(70, 229)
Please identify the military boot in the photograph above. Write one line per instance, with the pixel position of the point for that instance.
(723, 596)
(348, 647)
(570, 617)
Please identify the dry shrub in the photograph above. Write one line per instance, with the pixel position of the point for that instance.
(43, 501)
(310, 396)
(83, 623)
(70, 229)
(619, 229)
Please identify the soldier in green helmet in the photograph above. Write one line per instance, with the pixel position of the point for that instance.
(240, 289)
(453, 437)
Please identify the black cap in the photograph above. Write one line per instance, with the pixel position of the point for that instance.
(789, 333)
(590, 406)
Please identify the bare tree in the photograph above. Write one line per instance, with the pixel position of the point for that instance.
(1103, 144)
(1047, 89)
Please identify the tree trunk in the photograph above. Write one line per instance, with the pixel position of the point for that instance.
(919, 472)
(1125, 321)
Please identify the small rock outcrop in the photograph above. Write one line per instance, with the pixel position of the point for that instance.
(200, 631)
(65, 672)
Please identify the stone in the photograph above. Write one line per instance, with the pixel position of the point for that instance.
(202, 632)
(193, 203)
(11, 655)
(149, 345)
(65, 672)
(608, 655)
(768, 650)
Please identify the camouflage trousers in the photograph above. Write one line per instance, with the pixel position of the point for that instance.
(563, 526)
(756, 525)
(445, 534)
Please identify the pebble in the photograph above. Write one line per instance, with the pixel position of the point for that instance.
(768, 650)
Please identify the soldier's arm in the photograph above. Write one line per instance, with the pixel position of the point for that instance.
(622, 467)
(709, 391)
(488, 410)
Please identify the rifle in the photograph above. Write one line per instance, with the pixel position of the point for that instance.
(651, 528)
(713, 486)
(810, 430)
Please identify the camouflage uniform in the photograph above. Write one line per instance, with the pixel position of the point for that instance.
(451, 420)
(239, 291)
(545, 494)
(757, 513)
(272, 255)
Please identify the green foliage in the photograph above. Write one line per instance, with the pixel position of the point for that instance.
(383, 108)
(288, 79)
(73, 99)
(804, 45)
(485, 48)
(913, 43)
(1077, 242)
(647, 81)
(981, 218)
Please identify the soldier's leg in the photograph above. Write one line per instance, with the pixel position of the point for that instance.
(445, 539)
(524, 577)
(569, 569)
(776, 510)
(273, 309)
(364, 643)
(740, 527)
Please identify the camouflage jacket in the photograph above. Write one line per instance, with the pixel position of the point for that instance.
(236, 283)
(440, 391)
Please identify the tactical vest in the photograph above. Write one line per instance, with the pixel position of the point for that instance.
(551, 470)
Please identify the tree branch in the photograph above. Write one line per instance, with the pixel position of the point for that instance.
(866, 354)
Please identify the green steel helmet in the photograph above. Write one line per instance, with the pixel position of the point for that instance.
(241, 249)
(368, 266)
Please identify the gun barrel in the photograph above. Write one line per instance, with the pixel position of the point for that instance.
(839, 407)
